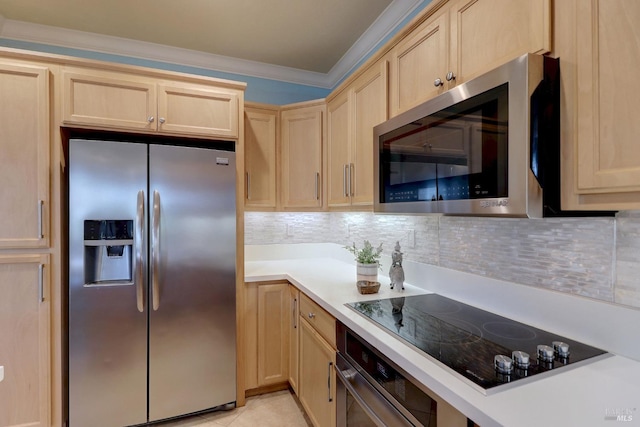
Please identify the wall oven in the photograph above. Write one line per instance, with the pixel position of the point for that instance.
(486, 147)
(372, 391)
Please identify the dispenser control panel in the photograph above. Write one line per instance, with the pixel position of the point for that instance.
(108, 251)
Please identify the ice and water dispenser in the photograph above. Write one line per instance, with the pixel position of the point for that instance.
(108, 252)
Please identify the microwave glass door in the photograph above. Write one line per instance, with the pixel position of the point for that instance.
(460, 152)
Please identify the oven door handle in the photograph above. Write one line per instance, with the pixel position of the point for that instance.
(364, 392)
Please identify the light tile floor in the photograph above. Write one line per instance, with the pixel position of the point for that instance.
(277, 409)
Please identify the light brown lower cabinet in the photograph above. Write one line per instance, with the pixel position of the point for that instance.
(316, 385)
(294, 336)
(25, 341)
(291, 340)
(267, 334)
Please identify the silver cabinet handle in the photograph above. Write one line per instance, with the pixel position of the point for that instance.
(344, 181)
(40, 219)
(329, 381)
(450, 76)
(138, 242)
(41, 282)
(151, 119)
(438, 82)
(351, 167)
(161, 120)
(248, 186)
(317, 185)
(312, 315)
(155, 251)
(294, 320)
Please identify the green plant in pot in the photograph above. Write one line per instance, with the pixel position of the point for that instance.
(367, 259)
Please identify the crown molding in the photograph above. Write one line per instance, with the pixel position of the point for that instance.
(73, 39)
(384, 26)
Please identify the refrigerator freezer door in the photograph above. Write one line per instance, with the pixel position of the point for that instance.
(192, 360)
(107, 331)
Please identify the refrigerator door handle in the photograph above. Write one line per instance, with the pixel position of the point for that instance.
(155, 251)
(139, 233)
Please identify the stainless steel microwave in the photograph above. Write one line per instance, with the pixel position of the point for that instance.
(486, 147)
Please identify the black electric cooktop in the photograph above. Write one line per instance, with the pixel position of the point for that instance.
(467, 339)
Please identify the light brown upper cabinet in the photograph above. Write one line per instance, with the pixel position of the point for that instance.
(109, 99)
(417, 61)
(462, 40)
(488, 33)
(607, 107)
(351, 117)
(260, 136)
(24, 162)
(302, 131)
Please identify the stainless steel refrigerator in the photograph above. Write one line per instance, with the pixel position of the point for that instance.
(152, 249)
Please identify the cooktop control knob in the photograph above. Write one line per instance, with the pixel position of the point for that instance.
(520, 359)
(545, 353)
(503, 364)
(561, 349)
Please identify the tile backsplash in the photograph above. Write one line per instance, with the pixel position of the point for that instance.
(593, 257)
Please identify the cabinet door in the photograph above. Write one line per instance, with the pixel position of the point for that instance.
(197, 110)
(339, 136)
(106, 99)
(273, 333)
(488, 33)
(25, 341)
(250, 336)
(317, 389)
(24, 162)
(302, 133)
(607, 107)
(370, 109)
(260, 157)
(294, 329)
(417, 61)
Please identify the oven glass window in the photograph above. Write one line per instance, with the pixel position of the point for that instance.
(457, 153)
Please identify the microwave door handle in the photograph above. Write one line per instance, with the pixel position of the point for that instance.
(155, 252)
(139, 233)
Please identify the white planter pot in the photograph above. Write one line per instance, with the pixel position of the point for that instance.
(368, 272)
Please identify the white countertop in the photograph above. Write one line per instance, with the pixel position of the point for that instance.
(582, 396)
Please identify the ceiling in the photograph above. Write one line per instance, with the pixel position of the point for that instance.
(305, 41)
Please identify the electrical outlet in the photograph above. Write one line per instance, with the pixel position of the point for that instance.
(289, 230)
(411, 238)
(1, 373)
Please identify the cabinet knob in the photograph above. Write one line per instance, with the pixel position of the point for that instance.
(161, 120)
(450, 76)
(151, 119)
(312, 315)
(438, 82)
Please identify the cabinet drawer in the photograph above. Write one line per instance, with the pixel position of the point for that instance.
(322, 321)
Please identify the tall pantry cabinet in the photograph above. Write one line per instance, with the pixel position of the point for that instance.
(25, 243)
